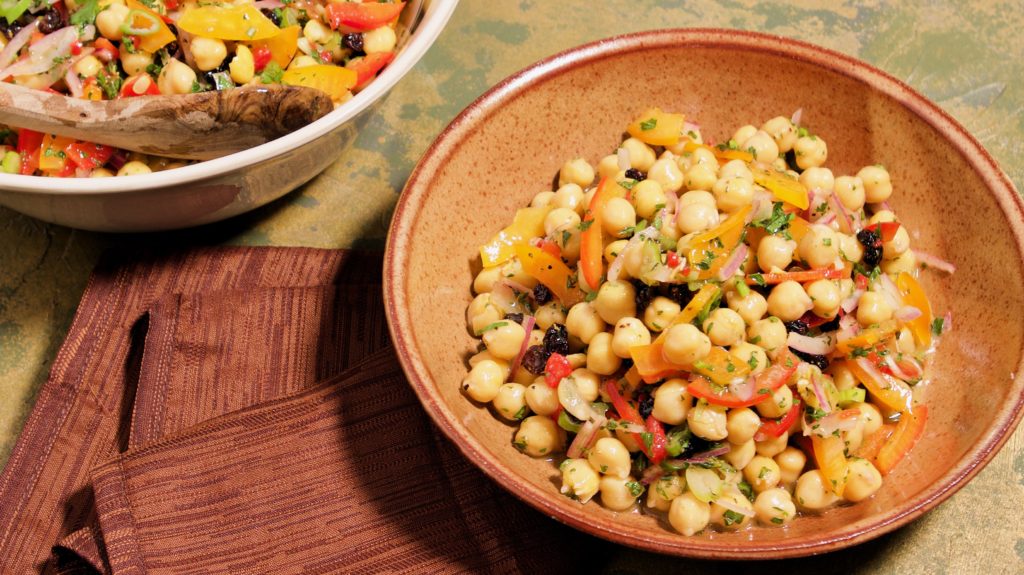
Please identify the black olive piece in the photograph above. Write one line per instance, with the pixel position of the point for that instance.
(635, 174)
(819, 361)
(646, 406)
(541, 294)
(535, 358)
(556, 339)
(797, 326)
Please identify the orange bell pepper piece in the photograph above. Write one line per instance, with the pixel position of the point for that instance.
(913, 294)
(828, 453)
(591, 240)
(908, 431)
(784, 187)
(548, 270)
(885, 388)
(657, 128)
(527, 223)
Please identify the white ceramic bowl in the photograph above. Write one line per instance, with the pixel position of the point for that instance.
(216, 189)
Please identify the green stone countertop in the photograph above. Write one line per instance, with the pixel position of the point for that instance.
(966, 56)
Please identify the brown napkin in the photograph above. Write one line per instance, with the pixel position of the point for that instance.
(237, 461)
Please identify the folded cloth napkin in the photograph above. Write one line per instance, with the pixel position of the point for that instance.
(237, 410)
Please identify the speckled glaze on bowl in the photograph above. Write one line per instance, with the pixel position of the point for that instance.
(510, 143)
(224, 187)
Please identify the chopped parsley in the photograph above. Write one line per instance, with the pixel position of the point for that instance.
(86, 13)
(732, 518)
(585, 225)
(778, 520)
(521, 413)
(777, 222)
(635, 488)
(628, 184)
(272, 73)
(937, 326)
(752, 362)
(758, 279)
(491, 326)
(648, 124)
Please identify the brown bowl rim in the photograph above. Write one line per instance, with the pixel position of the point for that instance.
(405, 218)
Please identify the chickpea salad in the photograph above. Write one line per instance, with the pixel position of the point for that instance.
(727, 334)
(110, 49)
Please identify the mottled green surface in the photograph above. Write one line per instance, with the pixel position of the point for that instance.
(966, 56)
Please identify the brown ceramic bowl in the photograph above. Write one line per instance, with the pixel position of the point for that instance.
(511, 142)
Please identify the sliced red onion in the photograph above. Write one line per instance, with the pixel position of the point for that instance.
(689, 126)
(730, 506)
(58, 72)
(828, 425)
(528, 323)
(827, 219)
(849, 304)
(586, 437)
(44, 54)
(842, 216)
(700, 457)
(761, 206)
(671, 202)
(10, 52)
(819, 394)
(745, 389)
(907, 313)
(648, 233)
(573, 401)
(890, 292)
(652, 474)
(518, 287)
(934, 262)
(947, 321)
(732, 265)
(503, 295)
(797, 116)
(74, 83)
(119, 158)
(820, 345)
(267, 4)
(622, 155)
(898, 371)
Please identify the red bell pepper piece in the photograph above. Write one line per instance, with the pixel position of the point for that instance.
(88, 155)
(659, 442)
(802, 276)
(873, 443)
(550, 247)
(129, 89)
(776, 427)
(30, 145)
(261, 56)
(886, 230)
(765, 384)
(105, 49)
(362, 16)
(366, 68)
(556, 368)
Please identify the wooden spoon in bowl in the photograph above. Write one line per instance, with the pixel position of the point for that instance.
(197, 126)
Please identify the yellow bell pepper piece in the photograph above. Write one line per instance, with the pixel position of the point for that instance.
(527, 223)
(701, 299)
(158, 39)
(828, 453)
(784, 187)
(240, 23)
(657, 128)
(913, 294)
(548, 270)
(712, 248)
(333, 80)
(282, 46)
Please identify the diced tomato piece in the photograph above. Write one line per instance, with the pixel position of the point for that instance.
(139, 85)
(659, 442)
(361, 17)
(672, 259)
(887, 230)
(367, 67)
(30, 143)
(76, 48)
(105, 49)
(171, 4)
(88, 155)
(556, 368)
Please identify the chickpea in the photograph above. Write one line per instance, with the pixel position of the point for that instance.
(549, 314)
(303, 61)
(811, 152)
(667, 173)
(641, 156)
(485, 281)
(700, 156)
(628, 440)
(762, 473)
(773, 445)
(570, 197)
(779, 404)
(478, 357)
(685, 344)
(791, 463)
(381, 39)
(629, 332)
(615, 300)
(774, 507)
(733, 194)
(862, 481)
(782, 130)
(818, 178)
(899, 244)
(825, 298)
(750, 307)
(813, 493)
(739, 455)
(588, 382)
(842, 377)
(539, 436)
(696, 217)
(483, 381)
(88, 66)
(697, 197)
(742, 423)
(504, 341)
(905, 262)
(877, 184)
(510, 402)
(849, 248)
(699, 177)
(775, 253)
(788, 301)
(560, 219)
(736, 169)
(672, 402)
(873, 308)
(100, 173)
(600, 357)
(724, 327)
(664, 490)
(819, 246)
(134, 168)
(619, 493)
(608, 166)
(708, 421)
(870, 416)
(763, 145)
(905, 342)
(542, 399)
(742, 134)
(660, 313)
(110, 19)
(689, 515)
(769, 333)
(243, 67)
(648, 196)
(542, 199)
(722, 517)
(584, 322)
(135, 63)
(750, 354)
(618, 215)
(208, 53)
(881, 217)
(579, 480)
(853, 437)
(850, 190)
(610, 457)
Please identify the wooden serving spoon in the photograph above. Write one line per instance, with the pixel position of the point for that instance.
(197, 126)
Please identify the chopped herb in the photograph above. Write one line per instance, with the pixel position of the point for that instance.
(746, 490)
(86, 13)
(741, 288)
(648, 439)
(937, 326)
(763, 472)
(802, 132)
(730, 367)
(703, 365)
(758, 279)
(858, 352)
(775, 223)
(585, 225)
(491, 326)
(635, 488)
(196, 87)
(732, 518)
(591, 296)
(814, 413)
(628, 184)
(521, 413)
(520, 445)
(826, 241)
(648, 124)
(752, 362)
(756, 339)
(778, 520)
(272, 73)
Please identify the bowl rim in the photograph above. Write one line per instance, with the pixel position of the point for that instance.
(405, 219)
(427, 30)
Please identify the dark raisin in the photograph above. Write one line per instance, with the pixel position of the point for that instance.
(791, 161)
(516, 317)
(635, 174)
(646, 406)
(353, 41)
(644, 295)
(820, 361)
(274, 16)
(872, 256)
(680, 294)
(872, 243)
(830, 325)
(556, 339)
(541, 294)
(172, 49)
(797, 326)
(535, 358)
(50, 20)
